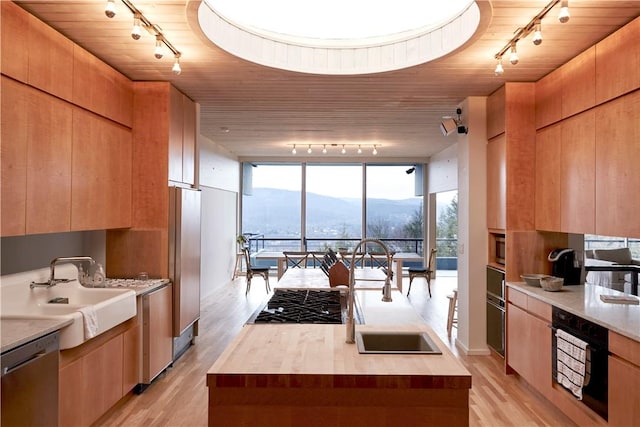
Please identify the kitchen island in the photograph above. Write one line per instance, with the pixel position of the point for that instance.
(301, 374)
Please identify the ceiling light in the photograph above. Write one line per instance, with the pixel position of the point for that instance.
(176, 65)
(513, 58)
(294, 149)
(110, 9)
(564, 15)
(309, 150)
(158, 51)
(537, 34)
(499, 69)
(344, 150)
(375, 150)
(136, 31)
(324, 149)
(359, 150)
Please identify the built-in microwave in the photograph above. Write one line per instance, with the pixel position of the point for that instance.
(501, 252)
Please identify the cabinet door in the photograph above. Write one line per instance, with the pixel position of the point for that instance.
(548, 175)
(617, 171)
(158, 332)
(496, 183)
(624, 396)
(70, 398)
(102, 379)
(49, 134)
(15, 38)
(13, 156)
(101, 184)
(189, 141)
(176, 124)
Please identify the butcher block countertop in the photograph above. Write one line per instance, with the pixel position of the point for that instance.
(301, 374)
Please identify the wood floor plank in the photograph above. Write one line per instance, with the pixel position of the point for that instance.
(179, 396)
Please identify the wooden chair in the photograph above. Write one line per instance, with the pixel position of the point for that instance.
(452, 318)
(252, 271)
(379, 260)
(316, 258)
(295, 259)
(359, 259)
(423, 271)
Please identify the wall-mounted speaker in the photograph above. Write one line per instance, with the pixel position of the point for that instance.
(447, 126)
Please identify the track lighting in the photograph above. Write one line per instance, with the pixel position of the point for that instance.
(136, 31)
(513, 57)
(176, 64)
(158, 51)
(357, 148)
(294, 149)
(375, 150)
(534, 26)
(324, 149)
(344, 150)
(499, 69)
(564, 15)
(309, 150)
(139, 22)
(110, 9)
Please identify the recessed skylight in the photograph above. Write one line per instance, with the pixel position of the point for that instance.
(339, 37)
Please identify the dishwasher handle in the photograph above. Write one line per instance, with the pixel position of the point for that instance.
(29, 353)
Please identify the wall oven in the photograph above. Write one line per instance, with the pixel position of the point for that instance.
(495, 309)
(501, 249)
(595, 391)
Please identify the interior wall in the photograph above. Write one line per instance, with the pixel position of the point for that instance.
(472, 230)
(218, 168)
(443, 170)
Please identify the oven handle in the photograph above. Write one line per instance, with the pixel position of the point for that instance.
(593, 349)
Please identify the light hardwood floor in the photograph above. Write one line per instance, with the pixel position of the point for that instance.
(179, 396)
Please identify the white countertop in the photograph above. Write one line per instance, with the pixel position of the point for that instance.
(584, 301)
(16, 332)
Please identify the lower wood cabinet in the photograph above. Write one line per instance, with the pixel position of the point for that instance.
(157, 348)
(96, 374)
(624, 377)
(529, 340)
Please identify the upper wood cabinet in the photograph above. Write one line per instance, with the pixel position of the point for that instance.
(496, 183)
(549, 99)
(618, 63)
(548, 178)
(15, 41)
(617, 173)
(182, 123)
(101, 181)
(578, 78)
(496, 113)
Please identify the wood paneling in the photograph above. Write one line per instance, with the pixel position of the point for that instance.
(618, 63)
(189, 136)
(578, 83)
(101, 181)
(578, 187)
(617, 171)
(497, 183)
(624, 397)
(50, 60)
(15, 40)
(548, 178)
(176, 133)
(49, 135)
(527, 252)
(131, 251)
(496, 113)
(13, 156)
(549, 99)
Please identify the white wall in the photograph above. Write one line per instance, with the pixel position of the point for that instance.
(443, 170)
(472, 229)
(220, 183)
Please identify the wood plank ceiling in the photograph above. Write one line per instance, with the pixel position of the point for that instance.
(265, 109)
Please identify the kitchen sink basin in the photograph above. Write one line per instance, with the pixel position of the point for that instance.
(64, 301)
(390, 342)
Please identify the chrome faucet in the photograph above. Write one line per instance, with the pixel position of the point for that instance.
(52, 280)
(386, 289)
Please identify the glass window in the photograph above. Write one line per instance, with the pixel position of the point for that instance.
(271, 208)
(394, 212)
(334, 206)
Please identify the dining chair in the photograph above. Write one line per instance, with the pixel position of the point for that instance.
(423, 271)
(295, 259)
(379, 260)
(252, 271)
(452, 316)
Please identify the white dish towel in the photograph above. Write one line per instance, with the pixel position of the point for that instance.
(573, 362)
(90, 322)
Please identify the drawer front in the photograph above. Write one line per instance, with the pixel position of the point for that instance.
(539, 308)
(517, 298)
(624, 347)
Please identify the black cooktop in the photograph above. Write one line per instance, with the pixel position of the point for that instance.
(302, 306)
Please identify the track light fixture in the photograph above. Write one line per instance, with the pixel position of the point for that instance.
(110, 9)
(141, 22)
(534, 26)
(344, 148)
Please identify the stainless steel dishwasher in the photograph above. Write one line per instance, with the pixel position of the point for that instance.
(30, 383)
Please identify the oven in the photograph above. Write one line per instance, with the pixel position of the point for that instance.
(495, 310)
(595, 391)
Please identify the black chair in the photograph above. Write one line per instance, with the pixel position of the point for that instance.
(252, 271)
(423, 271)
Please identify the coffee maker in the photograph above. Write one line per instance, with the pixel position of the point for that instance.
(565, 265)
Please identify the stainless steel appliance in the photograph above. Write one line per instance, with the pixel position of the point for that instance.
(495, 309)
(30, 383)
(184, 265)
(595, 392)
(565, 265)
(501, 249)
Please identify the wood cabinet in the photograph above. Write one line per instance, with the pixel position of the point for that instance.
(617, 175)
(182, 124)
(529, 340)
(96, 375)
(548, 178)
(578, 78)
(624, 377)
(157, 332)
(101, 181)
(496, 183)
(548, 99)
(14, 43)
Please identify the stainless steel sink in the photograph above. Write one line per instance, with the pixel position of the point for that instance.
(390, 342)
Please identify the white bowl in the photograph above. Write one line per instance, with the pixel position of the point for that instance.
(551, 284)
(533, 279)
